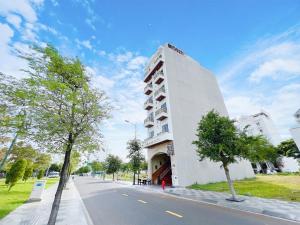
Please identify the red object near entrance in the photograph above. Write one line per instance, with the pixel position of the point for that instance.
(163, 184)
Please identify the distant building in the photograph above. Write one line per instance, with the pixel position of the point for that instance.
(260, 124)
(179, 92)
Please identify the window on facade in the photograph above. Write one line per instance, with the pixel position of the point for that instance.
(151, 134)
(165, 128)
(164, 106)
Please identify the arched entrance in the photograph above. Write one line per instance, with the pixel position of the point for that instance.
(161, 169)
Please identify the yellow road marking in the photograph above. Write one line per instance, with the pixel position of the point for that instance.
(174, 214)
(142, 201)
(125, 195)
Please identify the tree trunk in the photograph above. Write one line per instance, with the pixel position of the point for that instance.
(61, 184)
(133, 178)
(9, 150)
(113, 176)
(230, 183)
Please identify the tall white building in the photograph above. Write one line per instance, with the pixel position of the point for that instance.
(179, 92)
(260, 124)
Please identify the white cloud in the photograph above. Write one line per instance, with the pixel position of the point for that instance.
(25, 8)
(10, 63)
(137, 63)
(85, 43)
(265, 76)
(14, 20)
(276, 69)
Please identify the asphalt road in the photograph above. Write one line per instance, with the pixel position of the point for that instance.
(112, 204)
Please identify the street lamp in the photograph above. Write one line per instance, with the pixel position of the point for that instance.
(134, 124)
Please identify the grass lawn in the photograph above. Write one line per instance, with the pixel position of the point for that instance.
(283, 187)
(9, 200)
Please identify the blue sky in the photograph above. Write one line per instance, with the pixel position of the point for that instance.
(253, 47)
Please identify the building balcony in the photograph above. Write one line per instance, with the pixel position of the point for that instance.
(153, 67)
(148, 104)
(149, 122)
(158, 77)
(158, 139)
(148, 89)
(160, 94)
(161, 113)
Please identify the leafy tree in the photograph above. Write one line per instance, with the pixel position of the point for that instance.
(65, 111)
(220, 141)
(112, 164)
(144, 165)
(288, 148)
(84, 169)
(21, 150)
(75, 159)
(125, 167)
(136, 156)
(257, 148)
(16, 173)
(28, 171)
(42, 161)
(40, 174)
(54, 167)
(96, 166)
(13, 116)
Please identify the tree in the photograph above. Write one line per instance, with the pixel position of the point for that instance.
(65, 111)
(288, 148)
(112, 164)
(16, 173)
(220, 141)
(75, 159)
(96, 166)
(136, 156)
(83, 169)
(40, 174)
(13, 115)
(42, 161)
(54, 167)
(28, 171)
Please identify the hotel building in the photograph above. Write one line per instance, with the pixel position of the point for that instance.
(179, 92)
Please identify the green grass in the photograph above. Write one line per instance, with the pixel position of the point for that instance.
(9, 200)
(283, 187)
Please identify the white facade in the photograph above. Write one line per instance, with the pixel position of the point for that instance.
(260, 124)
(179, 92)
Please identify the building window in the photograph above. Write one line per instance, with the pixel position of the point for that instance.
(164, 106)
(165, 128)
(151, 134)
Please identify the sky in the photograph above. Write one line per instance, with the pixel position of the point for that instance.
(253, 48)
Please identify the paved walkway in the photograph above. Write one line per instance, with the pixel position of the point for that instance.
(270, 207)
(71, 211)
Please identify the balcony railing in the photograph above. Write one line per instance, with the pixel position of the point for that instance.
(153, 66)
(159, 138)
(148, 89)
(161, 113)
(148, 104)
(149, 122)
(160, 93)
(158, 77)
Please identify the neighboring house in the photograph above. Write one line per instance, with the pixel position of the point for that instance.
(262, 124)
(179, 92)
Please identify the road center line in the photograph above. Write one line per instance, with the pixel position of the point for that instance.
(142, 201)
(125, 195)
(174, 214)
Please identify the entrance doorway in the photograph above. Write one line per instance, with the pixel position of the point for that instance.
(161, 169)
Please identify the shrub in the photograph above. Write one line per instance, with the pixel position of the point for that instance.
(15, 173)
(28, 171)
(40, 174)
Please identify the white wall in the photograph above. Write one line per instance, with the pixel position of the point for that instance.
(193, 91)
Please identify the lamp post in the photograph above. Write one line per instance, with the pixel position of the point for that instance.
(134, 124)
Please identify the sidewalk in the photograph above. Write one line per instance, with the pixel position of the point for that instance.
(270, 207)
(71, 211)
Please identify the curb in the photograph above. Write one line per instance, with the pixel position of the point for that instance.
(85, 211)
